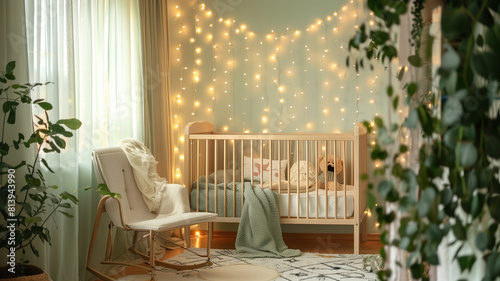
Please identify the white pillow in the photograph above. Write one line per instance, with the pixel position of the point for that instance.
(266, 166)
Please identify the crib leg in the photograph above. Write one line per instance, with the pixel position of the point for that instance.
(356, 239)
(364, 233)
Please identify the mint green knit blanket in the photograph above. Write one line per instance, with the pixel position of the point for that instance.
(259, 232)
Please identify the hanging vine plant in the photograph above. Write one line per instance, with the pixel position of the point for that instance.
(455, 190)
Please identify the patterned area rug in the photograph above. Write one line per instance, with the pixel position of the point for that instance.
(308, 266)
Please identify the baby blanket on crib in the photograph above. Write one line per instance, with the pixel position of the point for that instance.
(259, 232)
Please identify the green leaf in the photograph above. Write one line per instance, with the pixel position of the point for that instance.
(379, 122)
(454, 22)
(494, 206)
(11, 119)
(466, 262)
(401, 73)
(425, 120)
(425, 203)
(10, 76)
(450, 138)
(492, 267)
(468, 154)
(390, 91)
(453, 109)
(10, 66)
(387, 190)
(45, 105)
(403, 148)
(390, 52)
(72, 123)
(65, 205)
(482, 240)
(66, 214)
(450, 60)
(449, 81)
(59, 142)
(8, 105)
(415, 60)
(412, 88)
(379, 37)
(47, 165)
(33, 220)
(491, 146)
(492, 37)
(53, 147)
(411, 121)
(486, 64)
(459, 230)
(411, 228)
(480, 40)
(65, 195)
(477, 205)
(395, 103)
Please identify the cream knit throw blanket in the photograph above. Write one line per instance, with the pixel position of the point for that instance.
(159, 196)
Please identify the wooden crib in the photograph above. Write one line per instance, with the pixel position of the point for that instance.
(218, 167)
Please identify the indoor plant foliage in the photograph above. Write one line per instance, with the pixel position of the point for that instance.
(26, 200)
(456, 187)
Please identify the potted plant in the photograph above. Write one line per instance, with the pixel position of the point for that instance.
(452, 197)
(27, 201)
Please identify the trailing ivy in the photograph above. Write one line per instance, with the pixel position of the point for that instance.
(455, 189)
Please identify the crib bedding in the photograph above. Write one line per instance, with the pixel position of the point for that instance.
(302, 202)
(233, 194)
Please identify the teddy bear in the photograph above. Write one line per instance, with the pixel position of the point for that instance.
(333, 167)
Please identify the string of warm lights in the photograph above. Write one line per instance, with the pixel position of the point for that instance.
(314, 87)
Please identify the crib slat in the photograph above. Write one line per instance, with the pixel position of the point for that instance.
(335, 179)
(242, 174)
(297, 144)
(225, 180)
(317, 187)
(261, 163)
(270, 145)
(197, 171)
(288, 186)
(216, 153)
(251, 162)
(307, 180)
(206, 177)
(326, 182)
(279, 178)
(344, 177)
(234, 178)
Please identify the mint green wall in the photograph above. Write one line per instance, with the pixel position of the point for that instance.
(270, 66)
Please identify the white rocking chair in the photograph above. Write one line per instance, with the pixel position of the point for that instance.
(130, 212)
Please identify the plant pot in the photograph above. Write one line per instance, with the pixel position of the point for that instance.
(31, 273)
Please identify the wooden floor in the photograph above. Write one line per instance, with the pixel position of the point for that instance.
(309, 242)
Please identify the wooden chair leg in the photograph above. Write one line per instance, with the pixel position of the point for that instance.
(209, 238)
(187, 236)
(152, 254)
(211, 228)
(100, 210)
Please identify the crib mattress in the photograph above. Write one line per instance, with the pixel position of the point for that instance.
(300, 206)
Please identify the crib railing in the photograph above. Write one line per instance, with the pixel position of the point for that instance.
(207, 152)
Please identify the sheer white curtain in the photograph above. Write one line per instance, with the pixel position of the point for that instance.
(91, 50)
